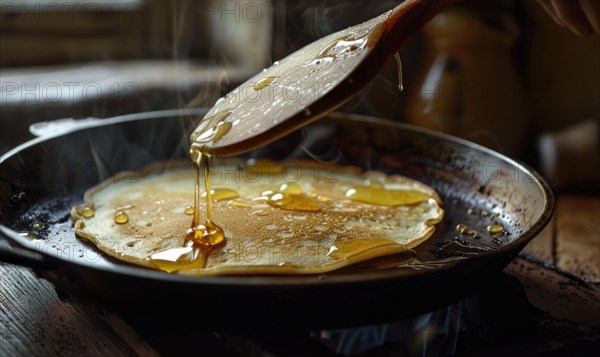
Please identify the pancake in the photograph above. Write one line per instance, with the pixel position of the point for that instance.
(294, 217)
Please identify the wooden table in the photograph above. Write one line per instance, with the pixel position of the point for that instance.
(559, 270)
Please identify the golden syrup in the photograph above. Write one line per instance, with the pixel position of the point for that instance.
(384, 197)
(121, 217)
(30, 235)
(221, 194)
(211, 129)
(291, 188)
(346, 249)
(264, 83)
(293, 202)
(373, 183)
(348, 42)
(212, 234)
(207, 234)
(495, 215)
(495, 229)
(239, 204)
(464, 229)
(322, 198)
(399, 63)
(325, 51)
(87, 212)
(175, 259)
(221, 129)
(485, 213)
(37, 226)
(201, 237)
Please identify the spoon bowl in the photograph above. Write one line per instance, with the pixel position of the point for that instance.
(310, 82)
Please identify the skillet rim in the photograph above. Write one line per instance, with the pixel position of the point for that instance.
(287, 282)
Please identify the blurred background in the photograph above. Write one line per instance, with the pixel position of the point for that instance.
(500, 73)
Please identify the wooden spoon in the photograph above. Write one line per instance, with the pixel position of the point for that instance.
(310, 82)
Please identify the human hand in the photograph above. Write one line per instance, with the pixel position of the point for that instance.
(580, 16)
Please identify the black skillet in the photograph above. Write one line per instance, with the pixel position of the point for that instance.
(41, 180)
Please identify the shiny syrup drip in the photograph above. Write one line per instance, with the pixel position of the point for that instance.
(464, 229)
(30, 235)
(121, 217)
(87, 212)
(208, 234)
(201, 238)
(264, 83)
(290, 197)
(37, 226)
(399, 63)
(222, 194)
(385, 197)
(345, 43)
(495, 229)
(293, 202)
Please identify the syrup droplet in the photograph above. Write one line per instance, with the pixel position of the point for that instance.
(346, 43)
(121, 217)
(264, 83)
(29, 235)
(293, 202)
(485, 213)
(189, 210)
(399, 62)
(464, 229)
(87, 212)
(37, 226)
(221, 194)
(293, 188)
(208, 234)
(383, 197)
(239, 204)
(373, 183)
(495, 229)
(221, 129)
(211, 129)
(176, 259)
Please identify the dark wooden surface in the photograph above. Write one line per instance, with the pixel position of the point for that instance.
(560, 271)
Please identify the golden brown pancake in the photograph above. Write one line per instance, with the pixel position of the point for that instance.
(294, 217)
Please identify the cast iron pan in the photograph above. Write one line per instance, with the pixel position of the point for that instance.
(41, 180)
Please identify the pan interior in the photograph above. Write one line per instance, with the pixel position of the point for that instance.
(40, 183)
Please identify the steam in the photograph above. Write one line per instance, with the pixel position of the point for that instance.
(322, 17)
